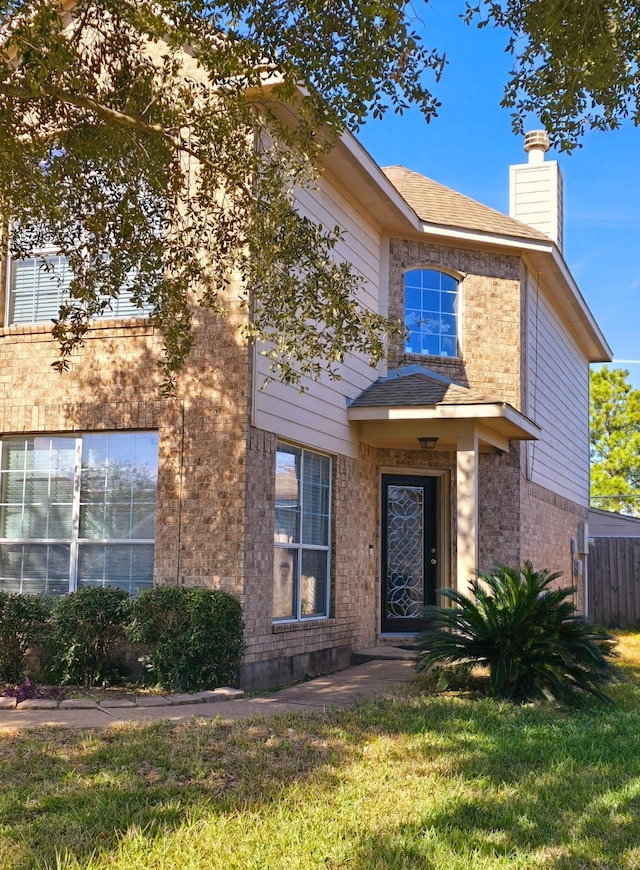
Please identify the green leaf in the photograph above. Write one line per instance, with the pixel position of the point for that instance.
(526, 633)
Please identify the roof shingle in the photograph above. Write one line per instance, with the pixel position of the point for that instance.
(417, 386)
(439, 205)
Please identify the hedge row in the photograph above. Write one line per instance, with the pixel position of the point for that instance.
(187, 639)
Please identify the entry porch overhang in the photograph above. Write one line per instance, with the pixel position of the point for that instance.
(494, 424)
(414, 403)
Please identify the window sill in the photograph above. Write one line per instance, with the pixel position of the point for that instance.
(141, 325)
(422, 357)
(302, 624)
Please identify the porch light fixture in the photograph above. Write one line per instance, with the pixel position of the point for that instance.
(428, 443)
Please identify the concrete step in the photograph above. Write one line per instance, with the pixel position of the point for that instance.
(376, 653)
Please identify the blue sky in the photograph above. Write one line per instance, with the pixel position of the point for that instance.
(470, 146)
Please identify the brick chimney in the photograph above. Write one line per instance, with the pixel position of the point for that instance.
(535, 189)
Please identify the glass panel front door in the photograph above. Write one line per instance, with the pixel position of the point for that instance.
(409, 557)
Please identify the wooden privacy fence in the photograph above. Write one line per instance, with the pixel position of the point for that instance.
(614, 582)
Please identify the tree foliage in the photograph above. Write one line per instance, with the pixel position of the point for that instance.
(615, 442)
(147, 141)
(575, 63)
(143, 140)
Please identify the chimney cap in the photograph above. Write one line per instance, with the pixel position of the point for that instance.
(537, 139)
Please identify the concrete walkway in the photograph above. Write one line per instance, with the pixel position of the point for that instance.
(374, 677)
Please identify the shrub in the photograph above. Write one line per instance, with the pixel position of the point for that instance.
(192, 638)
(23, 623)
(529, 636)
(86, 625)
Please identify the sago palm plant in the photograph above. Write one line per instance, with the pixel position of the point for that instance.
(529, 636)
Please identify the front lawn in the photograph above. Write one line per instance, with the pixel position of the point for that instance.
(415, 782)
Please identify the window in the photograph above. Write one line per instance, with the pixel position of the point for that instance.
(38, 284)
(302, 522)
(431, 313)
(78, 511)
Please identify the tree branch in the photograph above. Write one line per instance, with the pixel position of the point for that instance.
(114, 116)
(82, 102)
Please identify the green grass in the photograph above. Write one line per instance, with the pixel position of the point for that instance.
(414, 781)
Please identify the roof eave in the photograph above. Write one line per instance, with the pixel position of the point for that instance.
(571, 303)
(511, 422)
(354, 168)
(351, 165)
(484, 237)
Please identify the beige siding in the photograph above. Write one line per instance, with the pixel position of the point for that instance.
(318, 417)
(536, 198)
(558, 400)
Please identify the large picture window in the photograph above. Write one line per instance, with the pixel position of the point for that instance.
(39, 284)
(78, 511)
(302, 531)
(431, 313)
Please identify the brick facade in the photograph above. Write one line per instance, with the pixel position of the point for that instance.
(518, 519)
(114, 385)
(549, 524)
(490, 314)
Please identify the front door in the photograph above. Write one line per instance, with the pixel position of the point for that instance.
(409, 553)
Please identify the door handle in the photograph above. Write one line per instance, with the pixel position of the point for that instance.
(434, 561)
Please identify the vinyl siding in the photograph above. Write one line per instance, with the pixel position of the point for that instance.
(536, 198)
(317, 418)
(557, 388)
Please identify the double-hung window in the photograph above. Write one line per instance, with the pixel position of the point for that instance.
(302, 534)
(431, 313)
(77, 511)
(39, 284)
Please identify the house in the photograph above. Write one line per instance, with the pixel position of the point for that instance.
(335, 514)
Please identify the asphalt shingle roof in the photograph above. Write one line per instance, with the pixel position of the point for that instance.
(436, 204)
(416, 386)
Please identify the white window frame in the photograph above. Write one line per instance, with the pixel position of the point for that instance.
(300, 547)
(74, 541)
(44, 253)
(458, 278)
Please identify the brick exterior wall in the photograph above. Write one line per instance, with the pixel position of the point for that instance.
(113, 384)
(277, 652)
(490, 334)
(549, 524)
(499, 507)
(280, 652)
(518, 520)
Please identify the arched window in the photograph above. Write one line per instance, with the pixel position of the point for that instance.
(431, 313)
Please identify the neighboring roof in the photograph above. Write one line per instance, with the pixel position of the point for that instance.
(417, 386)
(436, 204)
(605, 524)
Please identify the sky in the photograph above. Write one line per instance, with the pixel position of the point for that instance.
(470, 146)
